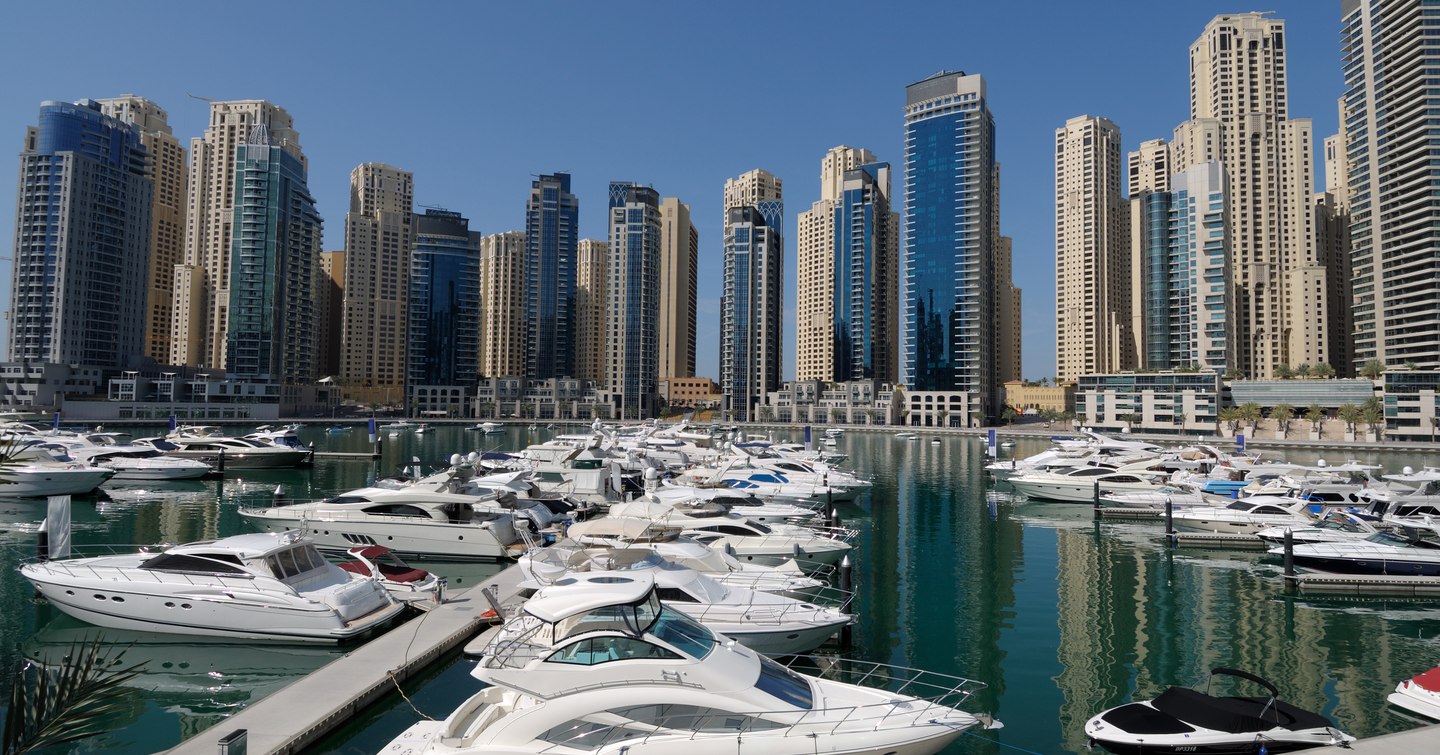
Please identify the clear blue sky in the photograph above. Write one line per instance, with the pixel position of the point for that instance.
(475, 98)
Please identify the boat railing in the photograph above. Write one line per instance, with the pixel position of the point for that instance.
(846, 535)
(922, 698)
(758, 614)
(155, 576)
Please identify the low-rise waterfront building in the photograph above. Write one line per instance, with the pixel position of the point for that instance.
(548, 399)
(942, 409)
(691, 392)
(1032, 398)
(853, 402)
(1412, 404)
(1150, 402)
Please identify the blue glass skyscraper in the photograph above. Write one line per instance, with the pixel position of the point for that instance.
(444, 302)
(274, 261)
(951, 218)
(552, 231)
(632, 341)
(82, 240)
(864, 269)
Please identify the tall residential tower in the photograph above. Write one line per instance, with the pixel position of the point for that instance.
(552, 228)
(949, 329)
(82, 239)
(633, 325)
(679, 263)
(378, 240)
(751, 301)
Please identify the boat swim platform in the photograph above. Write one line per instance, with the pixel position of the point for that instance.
(312, 706)
(1365, 586)
(1423, 739)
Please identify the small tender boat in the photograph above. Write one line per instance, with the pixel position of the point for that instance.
(907, 436)
(1419, 694)
(1185, 720)
(402, 580)
(249, 587)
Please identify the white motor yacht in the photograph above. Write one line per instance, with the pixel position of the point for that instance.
(43, 469)
(238, 453)
(1078, 484)
(249, 587)
(1186, 720)
(287, 436)
(413, 522)
(1244, 517)
(595, 663)
(1336, 525)
(1419, 694)
(748, 542)
(131, 461)
(726, 500)
(1383, 553)
(766, 622)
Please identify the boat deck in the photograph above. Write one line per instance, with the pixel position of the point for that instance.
(313, 705)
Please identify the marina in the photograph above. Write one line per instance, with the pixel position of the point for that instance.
(1061, 615)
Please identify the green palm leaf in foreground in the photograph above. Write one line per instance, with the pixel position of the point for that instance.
(53, 703)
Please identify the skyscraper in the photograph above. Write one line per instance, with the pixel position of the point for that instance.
(552, 228)
(1010, 337)
(444, 304)
(632, 327)
(1239, 117)
(274, 265)
(1186, 272)
(329, 313)
(82, 239)
(848, 262)
(1092, 255)
(1389, 50)
(679, 260)
(202, 284)
(592, 283)
(379, 237)
(752, 301)
(951, 210)
(502, 304)
(167, 213)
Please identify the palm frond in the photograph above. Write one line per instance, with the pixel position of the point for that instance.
(56, 702)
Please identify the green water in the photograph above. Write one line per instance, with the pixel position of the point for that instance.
(1060, 616)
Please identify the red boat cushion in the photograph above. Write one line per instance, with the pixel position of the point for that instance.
(1429, 680)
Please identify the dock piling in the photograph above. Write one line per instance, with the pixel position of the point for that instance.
(220, 462)
(1289, 553)
(1170, 520)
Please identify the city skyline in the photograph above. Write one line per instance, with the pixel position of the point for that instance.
(690, 145)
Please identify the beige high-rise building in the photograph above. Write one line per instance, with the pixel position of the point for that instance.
(167, 213)
(1239, 117)
(1092, 252)
(379, 236)
(202, 282)
(1007, 308)
(752, 300)
(815, 261)
(591, 280)
(502, 304)
(679, 263)
(1150, 167)
(329, 313)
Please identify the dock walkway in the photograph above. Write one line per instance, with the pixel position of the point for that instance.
(1423, 739)
(311, 707)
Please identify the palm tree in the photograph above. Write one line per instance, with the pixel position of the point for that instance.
(1302, 372)
(767, 413)
(1434, 423)
(1315, 413)
(1372, 369)
(1130, 420)
(64, 701)
(1230, 416)
(940, 418)
(1009, 415)
(1251, 413)
(1283, 372)
(1322, 371)
(1374, 418)
(1282, 414)
(1234, 373)
(1351, 414)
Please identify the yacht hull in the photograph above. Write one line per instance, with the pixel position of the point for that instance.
(287, 459)
(207, 611)
(1416, 699)
(437, 540)
(27, 484)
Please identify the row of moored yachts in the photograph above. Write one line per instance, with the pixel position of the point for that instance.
(1345, 519)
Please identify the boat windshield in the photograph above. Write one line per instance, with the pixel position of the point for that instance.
(1388, 538)
(683, 633)
(783, 684)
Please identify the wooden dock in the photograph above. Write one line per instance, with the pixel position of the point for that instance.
(1129, 513)
(345, 454)
(311, 707)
